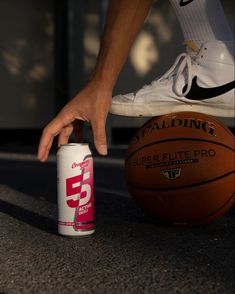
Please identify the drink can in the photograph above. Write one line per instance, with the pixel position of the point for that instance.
(75, 190)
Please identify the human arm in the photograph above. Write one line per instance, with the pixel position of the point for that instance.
(124, 19)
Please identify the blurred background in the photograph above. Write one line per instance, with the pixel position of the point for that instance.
(48, 49)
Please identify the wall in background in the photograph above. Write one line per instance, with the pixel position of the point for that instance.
(28, 95)
(26, 63)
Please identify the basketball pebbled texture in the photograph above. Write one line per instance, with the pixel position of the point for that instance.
(180, 168)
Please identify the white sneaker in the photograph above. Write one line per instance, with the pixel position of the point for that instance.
(200, 80)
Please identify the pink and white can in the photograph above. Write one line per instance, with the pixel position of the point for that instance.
(75, 185)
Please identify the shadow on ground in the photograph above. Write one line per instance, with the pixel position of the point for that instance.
(129, 253)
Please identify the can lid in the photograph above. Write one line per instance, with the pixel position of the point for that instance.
(74, 144)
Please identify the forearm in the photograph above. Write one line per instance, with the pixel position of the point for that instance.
(124, 19)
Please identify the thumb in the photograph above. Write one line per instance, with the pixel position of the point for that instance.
(99, 134)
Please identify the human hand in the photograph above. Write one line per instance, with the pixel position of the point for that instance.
(91, 104)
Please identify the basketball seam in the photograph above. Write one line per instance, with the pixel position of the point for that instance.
(184, 186)
(178, 139)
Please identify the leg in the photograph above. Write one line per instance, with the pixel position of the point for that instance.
(200, 80)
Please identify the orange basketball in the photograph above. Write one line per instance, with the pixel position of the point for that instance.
(180, 168)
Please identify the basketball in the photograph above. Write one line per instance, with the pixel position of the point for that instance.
(180, 168)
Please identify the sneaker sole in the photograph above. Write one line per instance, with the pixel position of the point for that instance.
(148, 110)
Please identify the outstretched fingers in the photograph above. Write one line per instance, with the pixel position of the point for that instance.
(54, 128)
(99, 134)
(64, 135)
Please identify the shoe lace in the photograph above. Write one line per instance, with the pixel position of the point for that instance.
(182, 65)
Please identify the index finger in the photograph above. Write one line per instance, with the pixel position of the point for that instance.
(49, 132)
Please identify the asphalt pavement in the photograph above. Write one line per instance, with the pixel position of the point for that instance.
(129, 252)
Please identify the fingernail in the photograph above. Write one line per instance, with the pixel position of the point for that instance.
(102, 149)
(39, 157)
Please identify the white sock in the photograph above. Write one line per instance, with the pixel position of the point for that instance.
(202, 20)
